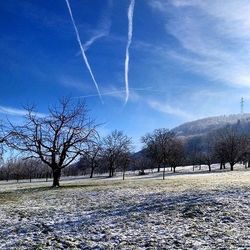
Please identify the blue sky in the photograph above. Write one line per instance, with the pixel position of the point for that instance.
(188, 59)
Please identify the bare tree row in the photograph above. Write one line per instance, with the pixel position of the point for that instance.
(67, 140)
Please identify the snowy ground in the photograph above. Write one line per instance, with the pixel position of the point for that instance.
(186, 211)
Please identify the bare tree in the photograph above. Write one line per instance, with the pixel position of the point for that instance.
(142, 163)
(208, 153)
(30, 167)
(124, 161)
(193, 152)
(219, 151)
(92, 157)
(230, 145)
(246, 154)
(176, 153)
(115, 145)
(151, 149)
(57, 139)
(161, 140)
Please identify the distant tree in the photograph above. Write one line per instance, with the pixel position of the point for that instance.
(124, 161)
(220, 153)
(142, 163)
(230, 145)
(30, 167)
(6, 170)
(17, 168)
(93, 156)
(114, 146)
(193, 152)
(163, 142)
(176, 153)
(208, 153)
(151, 149)
(57, 139)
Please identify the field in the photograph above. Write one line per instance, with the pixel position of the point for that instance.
(185, 211)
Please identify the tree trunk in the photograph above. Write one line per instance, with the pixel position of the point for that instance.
(56, 177)
(164, 169)
(174, 169)
(92, 172)
(159, 168)
(221, 165)
(209, 167)
(110, 172)
(123, 175)
(193, 168)
(231, 166)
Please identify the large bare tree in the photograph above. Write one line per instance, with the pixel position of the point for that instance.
(57, 139)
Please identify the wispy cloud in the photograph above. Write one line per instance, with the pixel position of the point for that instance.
(119, 93)
(164, 107)
(103, 27)
(213, 36)
(82, 50)
(130, 34)
(17, 112)
(97, 36)
(71, 82)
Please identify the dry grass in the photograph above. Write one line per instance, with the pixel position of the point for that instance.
(184, 211)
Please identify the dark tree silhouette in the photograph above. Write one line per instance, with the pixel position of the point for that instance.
(92, 157)
(230, 145)
(114, 146)
(163, 147)
(57, 139)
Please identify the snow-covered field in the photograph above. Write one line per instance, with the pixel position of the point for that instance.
(185, 211)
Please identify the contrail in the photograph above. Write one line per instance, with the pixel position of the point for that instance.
(130, 34)
(119, 92)
(92, 40)
(82, 50)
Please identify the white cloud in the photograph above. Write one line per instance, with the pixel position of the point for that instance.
(102, 29)
(16, 112)
(72, 82)
(214, 37)
(167, 109)
(94, 38)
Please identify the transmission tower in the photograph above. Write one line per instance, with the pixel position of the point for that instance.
(242, 105)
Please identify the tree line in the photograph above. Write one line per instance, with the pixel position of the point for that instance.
(66, 141)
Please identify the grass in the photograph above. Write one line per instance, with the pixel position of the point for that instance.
(173, 183)
(133, 213)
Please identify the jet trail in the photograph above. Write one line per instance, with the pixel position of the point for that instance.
(82, 50)
(92, 40)
(116, 92)
(130, 34)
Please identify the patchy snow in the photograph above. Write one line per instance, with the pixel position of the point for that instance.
(199, 211)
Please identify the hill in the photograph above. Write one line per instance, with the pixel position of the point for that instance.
(204, 126)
